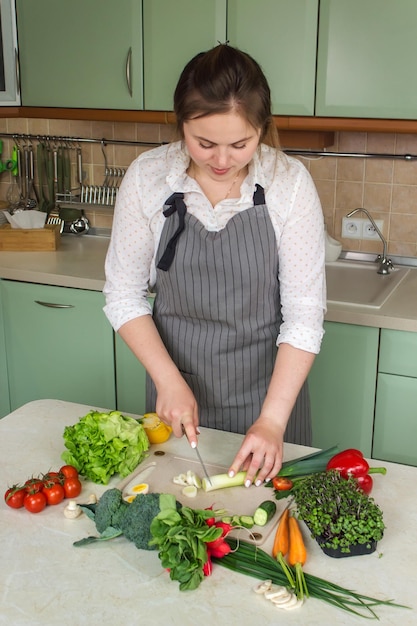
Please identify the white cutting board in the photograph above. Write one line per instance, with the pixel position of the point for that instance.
(159, 469)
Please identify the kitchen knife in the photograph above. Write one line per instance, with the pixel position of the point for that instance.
(202, 464)
(206, 474)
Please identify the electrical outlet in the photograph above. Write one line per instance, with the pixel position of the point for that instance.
(352, 227)
(369, 232)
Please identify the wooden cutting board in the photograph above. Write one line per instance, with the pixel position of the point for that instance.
(159, 469)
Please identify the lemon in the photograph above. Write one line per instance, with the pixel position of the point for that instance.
(156, 430)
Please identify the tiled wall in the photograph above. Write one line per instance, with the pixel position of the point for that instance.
(385, 187)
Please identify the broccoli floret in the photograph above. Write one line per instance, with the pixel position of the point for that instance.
(110, 510)
(136, 522)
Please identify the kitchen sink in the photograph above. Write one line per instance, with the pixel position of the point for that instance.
(359, 284)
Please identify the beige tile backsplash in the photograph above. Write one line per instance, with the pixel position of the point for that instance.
(386, 187)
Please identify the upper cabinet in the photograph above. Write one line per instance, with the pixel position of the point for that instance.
(333, 58)
(367, 53)
(83, 53)
(173, 32)
(282, 37)
(9, 65)
(266, 29)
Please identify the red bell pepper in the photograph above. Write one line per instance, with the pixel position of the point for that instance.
(351, 462)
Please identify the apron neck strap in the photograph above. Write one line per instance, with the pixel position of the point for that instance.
(258, 195)
(174, 203)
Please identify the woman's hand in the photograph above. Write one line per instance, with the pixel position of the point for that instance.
(175, 402)
(177, 406)
(260, 454)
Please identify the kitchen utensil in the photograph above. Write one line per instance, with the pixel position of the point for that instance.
(80, 225)
(40, 154)
(31, 203)
(202, 464)
(206, 474)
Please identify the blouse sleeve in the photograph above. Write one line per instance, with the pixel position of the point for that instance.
(129, 257)
(301, 264)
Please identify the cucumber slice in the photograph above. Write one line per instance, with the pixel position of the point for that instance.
(264, 513)
(246, 521)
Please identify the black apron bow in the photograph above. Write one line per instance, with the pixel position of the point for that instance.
(174, 203)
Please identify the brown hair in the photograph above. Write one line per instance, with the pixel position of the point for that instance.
(221, 80)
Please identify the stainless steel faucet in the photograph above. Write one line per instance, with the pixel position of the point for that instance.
(385, 264)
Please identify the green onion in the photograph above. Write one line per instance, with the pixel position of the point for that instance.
(252, 561)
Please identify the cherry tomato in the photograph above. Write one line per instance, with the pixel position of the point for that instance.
(280, 483)
(54, 493)
(52, 477)
(72, 487)
(34, 484)
(69, 471)
(35, 502)
(15, 496)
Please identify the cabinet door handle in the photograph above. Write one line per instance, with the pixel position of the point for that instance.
(55, 305)
(128, 68)
(16, 62)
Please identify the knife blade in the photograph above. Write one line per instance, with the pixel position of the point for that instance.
(206, 474)
(202, 464)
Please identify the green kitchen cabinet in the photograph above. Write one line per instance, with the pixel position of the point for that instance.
(366, 59)
(83, 53)
(130, 380)
(4, 384)
(395, 432)
(58, 344)
(282, 37)
(173, 32)
(342, 385)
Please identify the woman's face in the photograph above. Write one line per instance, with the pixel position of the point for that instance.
(221, 144)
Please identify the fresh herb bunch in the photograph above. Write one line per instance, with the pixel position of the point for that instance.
(337, 511)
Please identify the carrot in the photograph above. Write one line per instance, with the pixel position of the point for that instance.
(281, 545)
(297, 556)
(297, 551)
(281, 540)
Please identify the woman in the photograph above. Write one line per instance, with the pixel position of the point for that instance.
(229, 233)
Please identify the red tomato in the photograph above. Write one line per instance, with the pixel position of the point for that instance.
(35, 502)
(52, 477)
(54, 493)
(72, 487)
(280, 483)
(15, 496)
(69, 471)
(34, 484)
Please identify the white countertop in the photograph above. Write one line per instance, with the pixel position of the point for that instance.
(79, 263)
(45, 581)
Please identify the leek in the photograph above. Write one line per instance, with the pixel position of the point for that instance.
(303, 466)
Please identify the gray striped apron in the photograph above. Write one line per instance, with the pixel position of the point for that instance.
(218, 312)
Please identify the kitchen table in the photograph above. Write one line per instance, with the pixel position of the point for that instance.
(45, 580)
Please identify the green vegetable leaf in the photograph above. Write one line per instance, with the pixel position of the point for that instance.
(109, 533)
(102, 444)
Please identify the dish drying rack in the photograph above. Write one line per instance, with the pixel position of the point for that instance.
(103, 195)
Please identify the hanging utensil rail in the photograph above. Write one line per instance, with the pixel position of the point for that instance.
(124, 142)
